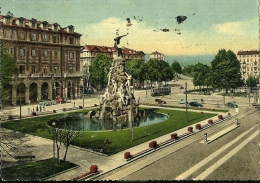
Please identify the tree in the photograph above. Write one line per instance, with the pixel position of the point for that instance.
(226, 70)
(188, 70)
(8, 68)
(154, 70)
(99, 70)
(199, 72)
(137, 69)
(252, 82)
(176, 67)
(65, 135)
(167, 72)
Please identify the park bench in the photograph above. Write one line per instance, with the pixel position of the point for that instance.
(25, 157)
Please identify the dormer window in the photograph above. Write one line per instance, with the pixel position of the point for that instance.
(20, 22)
(33, 25)
(44, 26)
(8, 21)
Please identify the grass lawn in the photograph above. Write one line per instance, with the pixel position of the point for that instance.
(37, 170)
(120, 139)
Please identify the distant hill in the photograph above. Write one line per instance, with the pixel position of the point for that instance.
(189, 59)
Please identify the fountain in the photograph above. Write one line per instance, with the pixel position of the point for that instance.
(118, 102)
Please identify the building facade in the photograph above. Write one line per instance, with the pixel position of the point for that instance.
(89, 52)
(157, 56)
(47, 57)
(250, 63)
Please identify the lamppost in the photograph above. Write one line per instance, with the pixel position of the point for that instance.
(54, 132)
(85, 80)
(186, 102)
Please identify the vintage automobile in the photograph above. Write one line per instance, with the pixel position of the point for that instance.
(182, 101)
(47, 102)
(231, 105)
(195, 104)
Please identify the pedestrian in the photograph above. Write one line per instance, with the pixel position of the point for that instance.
(44, 107)
(37, 109)
(33, 108)
(29, 111)
(40, 108)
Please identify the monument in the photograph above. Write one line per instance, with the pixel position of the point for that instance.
(118, 102)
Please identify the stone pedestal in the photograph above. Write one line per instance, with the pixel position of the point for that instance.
(118, 102)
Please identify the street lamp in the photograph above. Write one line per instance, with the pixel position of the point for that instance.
(186, 102)
(53, 130)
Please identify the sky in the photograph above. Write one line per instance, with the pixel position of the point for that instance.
(211, 25)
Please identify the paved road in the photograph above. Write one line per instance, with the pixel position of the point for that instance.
(235, 156)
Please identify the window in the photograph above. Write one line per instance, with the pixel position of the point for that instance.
(33, 25)
(34, 53)
(9, 50)
(20, 22)
(21, 69)
(44, 38)
(22, 52)
(70, 40)
(8, 33)
(7, 21)
(55, 28)
(55, 39)
(33, 69)
(44, 69)
(33, 37)
(55, 54)
(44, 26)
(55, 69)
(71, 55)
(22, 35)
(45, 53)
(71, 69)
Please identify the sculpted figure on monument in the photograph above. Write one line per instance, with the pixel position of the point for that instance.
(117, 42)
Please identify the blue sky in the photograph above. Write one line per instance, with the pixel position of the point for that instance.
(216, 24)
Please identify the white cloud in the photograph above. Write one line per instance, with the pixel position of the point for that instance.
(236, 28)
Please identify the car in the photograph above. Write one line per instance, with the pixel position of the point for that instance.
(231, 105)
(195, 104)
(182, 101)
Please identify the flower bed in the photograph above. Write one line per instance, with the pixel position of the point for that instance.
(174, 136)
(80, 107)
(153, 144)
(54, 111)
(210, 121)
(198, 126)
(10, 117)
(64, 109)
(34, 113)
(127, 155)
(190, 128)
(220, 117)
(93, 168)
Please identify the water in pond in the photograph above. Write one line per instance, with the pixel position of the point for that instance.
(80, 122)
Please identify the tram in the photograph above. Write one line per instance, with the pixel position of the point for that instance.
(166, 90)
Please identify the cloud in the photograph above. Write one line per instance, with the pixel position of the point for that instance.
(236, 28)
